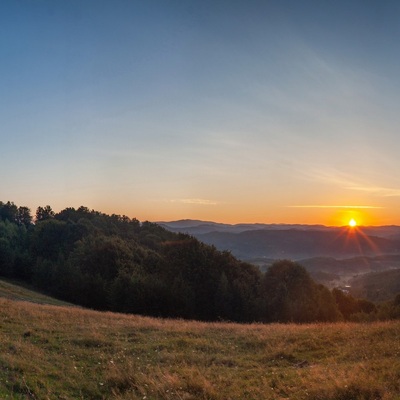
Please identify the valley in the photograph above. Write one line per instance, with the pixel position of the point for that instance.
(334, 256)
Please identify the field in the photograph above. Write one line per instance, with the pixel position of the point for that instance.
(55, 352)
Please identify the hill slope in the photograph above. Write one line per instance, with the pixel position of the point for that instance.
(14, 291)
(112, 262)
(377, 286)
(50, 352)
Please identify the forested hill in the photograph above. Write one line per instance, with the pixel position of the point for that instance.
(112, 262)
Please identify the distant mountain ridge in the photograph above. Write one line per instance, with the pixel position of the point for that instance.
(299, 244)
(194, 227)
(331, 254)
(334, 256)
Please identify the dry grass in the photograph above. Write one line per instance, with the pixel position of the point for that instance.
(50, 352)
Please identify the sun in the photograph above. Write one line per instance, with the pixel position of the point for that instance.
(352, 223)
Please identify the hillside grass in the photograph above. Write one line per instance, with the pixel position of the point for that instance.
(14, 290)
(53, 352)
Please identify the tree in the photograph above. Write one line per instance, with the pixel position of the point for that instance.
(24, 216)
(8, 212)
(346, 303)
(224, 298)
(6, 258)
(49, 239)
(103, 256)
(327, 307)
(43, 213)
(291, 295)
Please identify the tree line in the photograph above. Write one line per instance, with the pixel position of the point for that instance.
(113, 262)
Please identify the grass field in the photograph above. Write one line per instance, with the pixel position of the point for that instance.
(53, 352)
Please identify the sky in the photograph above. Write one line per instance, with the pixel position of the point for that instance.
(230, 111)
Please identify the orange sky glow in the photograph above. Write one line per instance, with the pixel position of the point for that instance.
(329, 215)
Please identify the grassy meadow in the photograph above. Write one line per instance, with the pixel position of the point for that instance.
(58, 352)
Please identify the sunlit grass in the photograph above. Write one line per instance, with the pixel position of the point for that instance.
(49, 352)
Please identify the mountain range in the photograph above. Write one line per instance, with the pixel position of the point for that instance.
(276, 241)
(332, 255)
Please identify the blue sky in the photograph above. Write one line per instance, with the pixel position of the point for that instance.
(259, 111)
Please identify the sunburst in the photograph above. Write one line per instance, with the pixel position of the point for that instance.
(352, 223)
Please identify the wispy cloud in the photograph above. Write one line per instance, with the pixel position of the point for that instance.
(377, 190)
(349, 183)
(335, 206)
(200, 202)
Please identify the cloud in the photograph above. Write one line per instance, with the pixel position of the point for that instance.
(335, 206)
(379, 191)
(200, 202)
(349, 183)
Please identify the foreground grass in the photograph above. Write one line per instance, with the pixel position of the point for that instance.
(51, 352)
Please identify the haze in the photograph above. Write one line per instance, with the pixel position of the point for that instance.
(274, 112)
